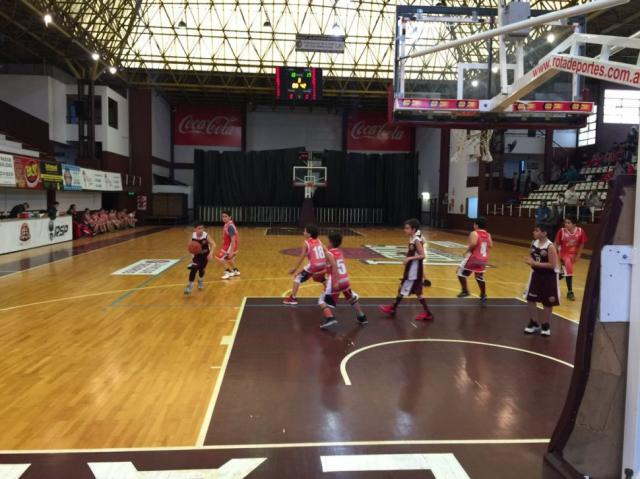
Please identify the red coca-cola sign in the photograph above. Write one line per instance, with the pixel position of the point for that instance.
(371, 131)
(208, 126)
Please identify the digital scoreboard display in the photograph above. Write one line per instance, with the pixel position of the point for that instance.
(298, 84)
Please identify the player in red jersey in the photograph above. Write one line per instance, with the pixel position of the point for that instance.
(316, 252)
(413, 276)
(476, 258)
(200, 260)
(570, 241)
(230, 243)
(337, 283)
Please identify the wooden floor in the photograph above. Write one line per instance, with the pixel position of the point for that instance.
(93, 360)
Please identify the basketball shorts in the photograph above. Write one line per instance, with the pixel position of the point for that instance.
(567, 264)
(200, 261)
(543, 288)
(410, 286)
(471, 265)
(309, 272)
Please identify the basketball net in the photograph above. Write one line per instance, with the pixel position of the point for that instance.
(471, 145)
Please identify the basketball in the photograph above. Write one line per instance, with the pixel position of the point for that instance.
(194, 247)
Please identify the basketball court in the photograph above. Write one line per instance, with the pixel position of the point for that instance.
(461, 130)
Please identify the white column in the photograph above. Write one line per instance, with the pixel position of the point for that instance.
(631, 448)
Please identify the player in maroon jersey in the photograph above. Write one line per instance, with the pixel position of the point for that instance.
(200, 260)
(230, 244)
(543, 284)
(413, 276)
(476, 258)
(316, 252)
(569, 242)
(337, 283)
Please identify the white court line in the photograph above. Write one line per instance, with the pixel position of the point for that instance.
(345, 360)
(223, 447)
(576, 321)
(223, 368)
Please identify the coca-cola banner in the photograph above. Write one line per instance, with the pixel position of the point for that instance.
(208, 126)
(371, 131)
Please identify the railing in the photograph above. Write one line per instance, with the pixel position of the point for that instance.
(289, 215)
(581, 212)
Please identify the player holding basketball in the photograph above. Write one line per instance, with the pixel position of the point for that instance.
(413, 276)
(569, 242)
(476, 258)
(337, 283)
(543, 283)
(199, 260)
(230, 243)
(316, 252)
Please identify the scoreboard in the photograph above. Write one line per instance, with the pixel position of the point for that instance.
(298, 84)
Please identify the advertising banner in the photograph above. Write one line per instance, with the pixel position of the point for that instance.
(112, 181)
(51, 174)
(7, 173)
(371, 131)
(27, 171)
(71, 177)
(20, 234)
(208, 126)
(92, 179)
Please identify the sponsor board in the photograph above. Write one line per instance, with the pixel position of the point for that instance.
(27, 171)
(7, 173)
(147, 267)
(395, 254)
(92, 179)
(210, 126)
(371, 131)
(21, 234)
(51, 174)
(614, 72)
(71, 176)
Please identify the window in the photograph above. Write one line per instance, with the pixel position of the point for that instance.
(113, 113)
(76, 109)
(587, 135)
(622, 107)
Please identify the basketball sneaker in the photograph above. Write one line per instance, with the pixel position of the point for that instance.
(236, 272)
(362, 319)
(532, 328)
(290, 300)
(424, 316)
(545, 330)
(388, 309)
(227, 274)
(328, 322)
(426, 283)
(571, 296)
(463, 294)
(187, 290)
(483, 299)
(200, 283)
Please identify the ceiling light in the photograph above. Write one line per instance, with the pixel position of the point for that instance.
(47, 19)
(95, 56)
(336, 30)
(495, 68)
(474, 83)
(113, 70)
(267, 24)
(551, 38)
(182, 24)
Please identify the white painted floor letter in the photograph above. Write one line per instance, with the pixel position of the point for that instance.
(443, 466)
(233, 469)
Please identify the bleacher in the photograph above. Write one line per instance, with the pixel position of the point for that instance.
(553, 193)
